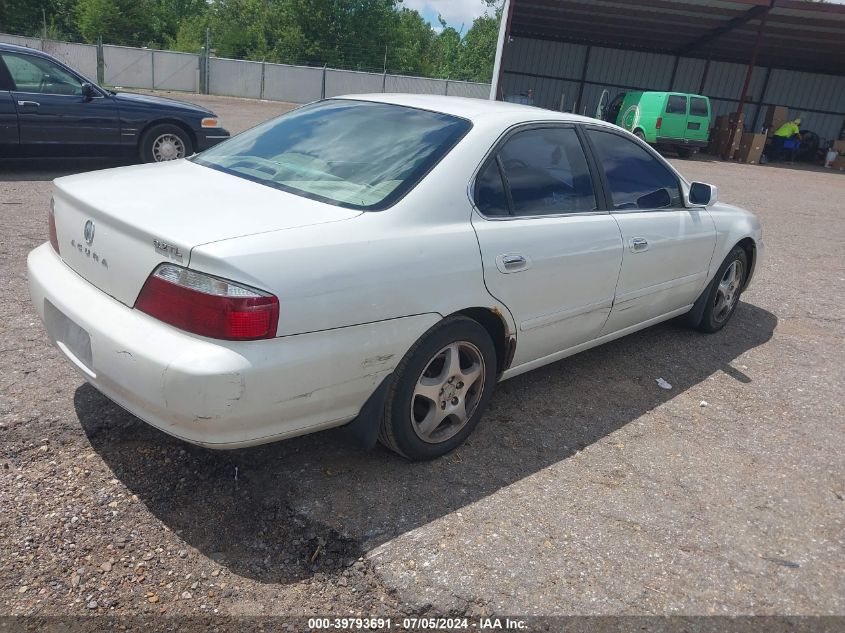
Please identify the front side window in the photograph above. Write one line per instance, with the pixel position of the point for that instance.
(39, 75)
(546, 172)
(698, 107)
(637, 180)
(357, 154)
(676, 104)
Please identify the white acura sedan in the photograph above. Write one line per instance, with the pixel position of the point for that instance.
(379, 261)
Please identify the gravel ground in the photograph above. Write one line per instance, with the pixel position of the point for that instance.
(587, 489)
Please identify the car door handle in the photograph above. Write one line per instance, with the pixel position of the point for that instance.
(639, 244)
(24, 104)
(511, 263)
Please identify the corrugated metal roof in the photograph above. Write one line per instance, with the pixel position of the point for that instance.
(798, 35)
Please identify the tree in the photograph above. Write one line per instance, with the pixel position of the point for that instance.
(128, 22)
(479, 49)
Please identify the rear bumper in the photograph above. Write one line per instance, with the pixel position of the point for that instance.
(219, 394)
(209, 137)
(680, 141)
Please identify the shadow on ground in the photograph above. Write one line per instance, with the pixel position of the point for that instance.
(43, 169)
(281, 512)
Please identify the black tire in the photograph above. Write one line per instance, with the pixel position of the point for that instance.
(713, 318)
(148, 141)
(685, 152)
(398, 431)
(640, 135)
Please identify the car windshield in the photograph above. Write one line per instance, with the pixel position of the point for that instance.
(356, 154)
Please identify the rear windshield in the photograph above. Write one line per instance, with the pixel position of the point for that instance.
(355, 154)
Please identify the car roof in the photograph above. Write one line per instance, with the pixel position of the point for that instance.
(472, 109)
(14, 48)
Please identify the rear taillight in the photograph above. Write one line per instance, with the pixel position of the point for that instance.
(659, 122)
(207, 305)
(51, 226)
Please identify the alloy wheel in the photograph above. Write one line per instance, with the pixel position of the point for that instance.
(447, 392)
(727, 292)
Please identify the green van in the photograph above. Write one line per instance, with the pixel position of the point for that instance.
(673, 119)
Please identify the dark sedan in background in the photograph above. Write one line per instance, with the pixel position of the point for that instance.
(48, 109)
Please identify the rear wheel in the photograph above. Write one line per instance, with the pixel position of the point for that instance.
(440, 390)
(165, 142)
(723, 293)
(685, 152)
(640, 135)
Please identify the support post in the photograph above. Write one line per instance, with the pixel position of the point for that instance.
(101, 62)
(207, 80)
(674, 72)
(584, 68)
(153, 67)
(323, 86)
(760, 28)
(761, 100)
(261, 89)
(496, 88)
(704, 76)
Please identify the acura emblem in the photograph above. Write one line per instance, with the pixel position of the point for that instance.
(88, 232)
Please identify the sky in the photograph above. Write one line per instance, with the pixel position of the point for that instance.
(455, 12)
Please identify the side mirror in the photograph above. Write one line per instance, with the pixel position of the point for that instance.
(702, 194)
(88, 91)
(658, 199)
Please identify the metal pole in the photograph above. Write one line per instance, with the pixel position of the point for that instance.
(583, 79)
(747, 83)
(44, 28)
(704, 76)
(261, 90)
(674, 72)
(207, 60)
(101, 62)
(323, 88)
(761, 100)
(153, 67)
(498, 62)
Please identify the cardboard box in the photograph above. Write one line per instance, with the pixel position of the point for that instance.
(751, 147)
(775, 117)
(839, 163)
(720, 143)
(839, 147)
(725, 121)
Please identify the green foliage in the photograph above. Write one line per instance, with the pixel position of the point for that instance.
(129, 22)
(371, 35)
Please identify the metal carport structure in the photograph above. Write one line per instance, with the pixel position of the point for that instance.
(743, 54)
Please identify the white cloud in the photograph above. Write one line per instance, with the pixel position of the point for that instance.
(455, 12)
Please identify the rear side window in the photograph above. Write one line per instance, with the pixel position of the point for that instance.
(676, 104)
(490, 191)
(545, 172)
(637, 180)
(698, 107)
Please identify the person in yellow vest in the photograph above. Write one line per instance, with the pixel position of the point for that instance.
(787, 138)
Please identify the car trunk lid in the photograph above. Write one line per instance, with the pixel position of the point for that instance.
(115, 226)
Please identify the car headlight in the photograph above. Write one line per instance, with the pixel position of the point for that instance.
(210, 121)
